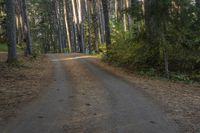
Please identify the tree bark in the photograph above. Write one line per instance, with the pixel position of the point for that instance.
(106, 19)
(198, 8)
(11, 30)
(89, 25)
(95, 19)
(27, 36)
(66, 15)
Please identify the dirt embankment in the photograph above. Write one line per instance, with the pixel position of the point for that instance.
(19, 85)
(180, 101)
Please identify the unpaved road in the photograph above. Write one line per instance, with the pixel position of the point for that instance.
(84, 98)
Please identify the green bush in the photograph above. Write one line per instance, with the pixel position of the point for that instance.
(3, 47)
(133, 51)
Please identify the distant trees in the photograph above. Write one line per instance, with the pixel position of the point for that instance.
(71, 25)
(160, 35)
(62, 26)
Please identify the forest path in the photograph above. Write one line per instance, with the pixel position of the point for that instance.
(85, 98)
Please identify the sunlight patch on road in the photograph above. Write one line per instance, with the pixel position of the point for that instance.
(73, 58)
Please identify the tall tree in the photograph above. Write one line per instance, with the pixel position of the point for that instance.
(27, 36)
(198, 8)
(11, 30)
(95, 21)
(106, 19)
(66, 16)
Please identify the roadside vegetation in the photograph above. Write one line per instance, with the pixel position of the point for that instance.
(163, 43)
(3, 47)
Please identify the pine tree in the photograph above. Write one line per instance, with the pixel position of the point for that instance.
(11, 30)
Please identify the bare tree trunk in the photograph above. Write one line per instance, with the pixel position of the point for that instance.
(101, 22)
(71, 24)
(166, 64)
(88, 9)
(124, 16)
(147, 11)
(116, 9)
(18, 22)
(58, 25)
(82, 17)
(106, 19)
(27, 38)
(95, 16)
(67, 27)
(11, 30)
(198, 8)
(78, 20)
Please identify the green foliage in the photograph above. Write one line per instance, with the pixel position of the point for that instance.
(36, 50)
(3, 47)
(15, 63)
(140, 50)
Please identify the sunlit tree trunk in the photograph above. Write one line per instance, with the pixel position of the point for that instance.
(101, 22)
(124, 15)
(71, 24)
(18, 22)
(67, 26)
(116, 9)
(77, 20)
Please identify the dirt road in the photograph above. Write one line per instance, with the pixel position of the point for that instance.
(85, 98)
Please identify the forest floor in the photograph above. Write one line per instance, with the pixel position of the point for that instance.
(88, 95)
(21, 83)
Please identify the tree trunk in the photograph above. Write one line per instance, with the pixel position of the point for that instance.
(18, 22)
(66, 15)
(101, 22)
(166, 64)
(11, 30)
(27, 36)
(198, 8)
(106, 19)
(95, 19)
(89, 25)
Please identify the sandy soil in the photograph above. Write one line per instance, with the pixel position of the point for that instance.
(180, 101)
(19, 85)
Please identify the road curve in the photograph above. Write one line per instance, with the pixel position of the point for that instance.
(84, 98)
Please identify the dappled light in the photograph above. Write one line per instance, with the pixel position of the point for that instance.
(74, 58)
